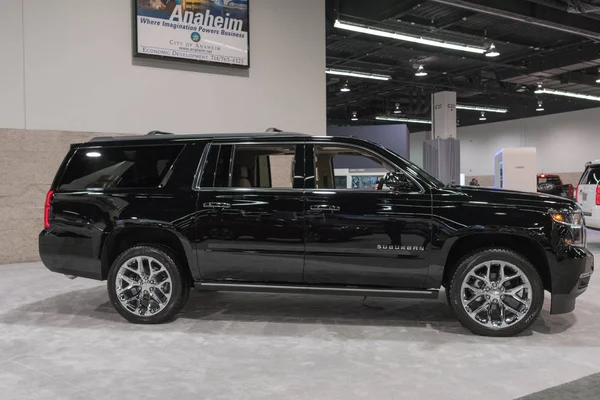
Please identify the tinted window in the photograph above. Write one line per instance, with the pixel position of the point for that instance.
(119, 167)
(591, 176)
(550, 179)
(252, 166)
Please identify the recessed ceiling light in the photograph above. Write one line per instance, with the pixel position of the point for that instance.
(333, 71)
(421, 71)
(407, 38)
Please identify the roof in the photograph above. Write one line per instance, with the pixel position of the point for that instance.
(162, 136)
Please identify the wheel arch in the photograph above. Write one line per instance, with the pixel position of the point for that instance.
(528, 247)
(122, 238)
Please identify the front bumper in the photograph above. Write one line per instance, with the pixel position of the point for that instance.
(571, 270)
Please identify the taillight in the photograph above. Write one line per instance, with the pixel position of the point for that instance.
(598, 195)
(570, 190)
(47, 208)
(577, 194)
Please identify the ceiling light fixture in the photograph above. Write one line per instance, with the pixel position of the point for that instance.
(407, 38)
(345, 87)
(355, 74)
(93, 154)
(492, 51)
(354, 116)
(397, 109)
(521, 89)
(482, 117)
(421, 71)
(540, 106)
(410, 120)
(481, 108)
(567, 94)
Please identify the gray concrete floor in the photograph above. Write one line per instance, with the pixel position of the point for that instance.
(61, 339)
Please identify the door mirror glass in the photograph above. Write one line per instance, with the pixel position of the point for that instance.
(398, 181)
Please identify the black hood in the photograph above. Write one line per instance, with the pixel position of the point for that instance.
(499, 197)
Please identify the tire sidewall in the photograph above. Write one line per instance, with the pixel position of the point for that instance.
(472, 261)
(177, 287)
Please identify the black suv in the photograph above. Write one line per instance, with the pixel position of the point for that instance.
(158, 214)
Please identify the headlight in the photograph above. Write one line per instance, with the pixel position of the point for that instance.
(571, 227)
(570, 218)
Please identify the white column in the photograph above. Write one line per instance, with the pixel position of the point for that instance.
(443, 115)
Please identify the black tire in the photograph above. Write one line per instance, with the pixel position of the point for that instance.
(454, 295)
(180, 284)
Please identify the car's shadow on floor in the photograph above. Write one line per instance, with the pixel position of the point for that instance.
(216, 311)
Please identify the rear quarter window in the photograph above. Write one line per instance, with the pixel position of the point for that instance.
(591, 176)
(119, 167)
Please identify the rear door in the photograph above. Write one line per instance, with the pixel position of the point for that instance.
(586, 190)
(363, 233)
(250, 213)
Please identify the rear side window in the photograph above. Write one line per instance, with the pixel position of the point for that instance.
(591, 176)
(119, 167)
(266, 166)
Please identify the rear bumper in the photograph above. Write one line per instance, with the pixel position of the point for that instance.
(571, 270)
(69, 255)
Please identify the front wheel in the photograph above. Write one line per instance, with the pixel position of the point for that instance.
(496, 292)
(146, 286)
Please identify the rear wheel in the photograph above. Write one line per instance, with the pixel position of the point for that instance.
(496, 292)
(146, 285)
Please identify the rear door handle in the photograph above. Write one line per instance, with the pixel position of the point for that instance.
(216, 205)
(324, 207)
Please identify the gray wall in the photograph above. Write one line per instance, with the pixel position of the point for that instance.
(393, 137)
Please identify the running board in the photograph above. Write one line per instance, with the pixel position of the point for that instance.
(330, 290)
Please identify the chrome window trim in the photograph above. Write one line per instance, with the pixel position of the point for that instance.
(200, 168)
(231, 159)
(196, 187)
(422, 191)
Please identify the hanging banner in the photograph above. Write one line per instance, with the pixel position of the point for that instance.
(208, 31)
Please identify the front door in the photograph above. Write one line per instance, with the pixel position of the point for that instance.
(250, 213)
(359, 231)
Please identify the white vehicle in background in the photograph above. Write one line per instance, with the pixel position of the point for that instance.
(588, 194)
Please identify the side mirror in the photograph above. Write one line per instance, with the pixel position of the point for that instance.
(398, 181)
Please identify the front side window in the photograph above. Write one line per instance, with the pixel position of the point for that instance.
(346, 167)
(265, 166)
(119, 167)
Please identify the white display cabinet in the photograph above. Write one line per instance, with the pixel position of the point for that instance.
(516, 169)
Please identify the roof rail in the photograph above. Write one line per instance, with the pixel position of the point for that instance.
(152, 133)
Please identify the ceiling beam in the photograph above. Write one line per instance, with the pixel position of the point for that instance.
(581, 57)
(531, 13)
(427, 25)
(379, 10)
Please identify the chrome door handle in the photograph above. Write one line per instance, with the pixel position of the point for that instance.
(216, 205)
(324, 207)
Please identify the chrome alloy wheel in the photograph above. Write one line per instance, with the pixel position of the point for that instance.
(496, 294)
(143, 285)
